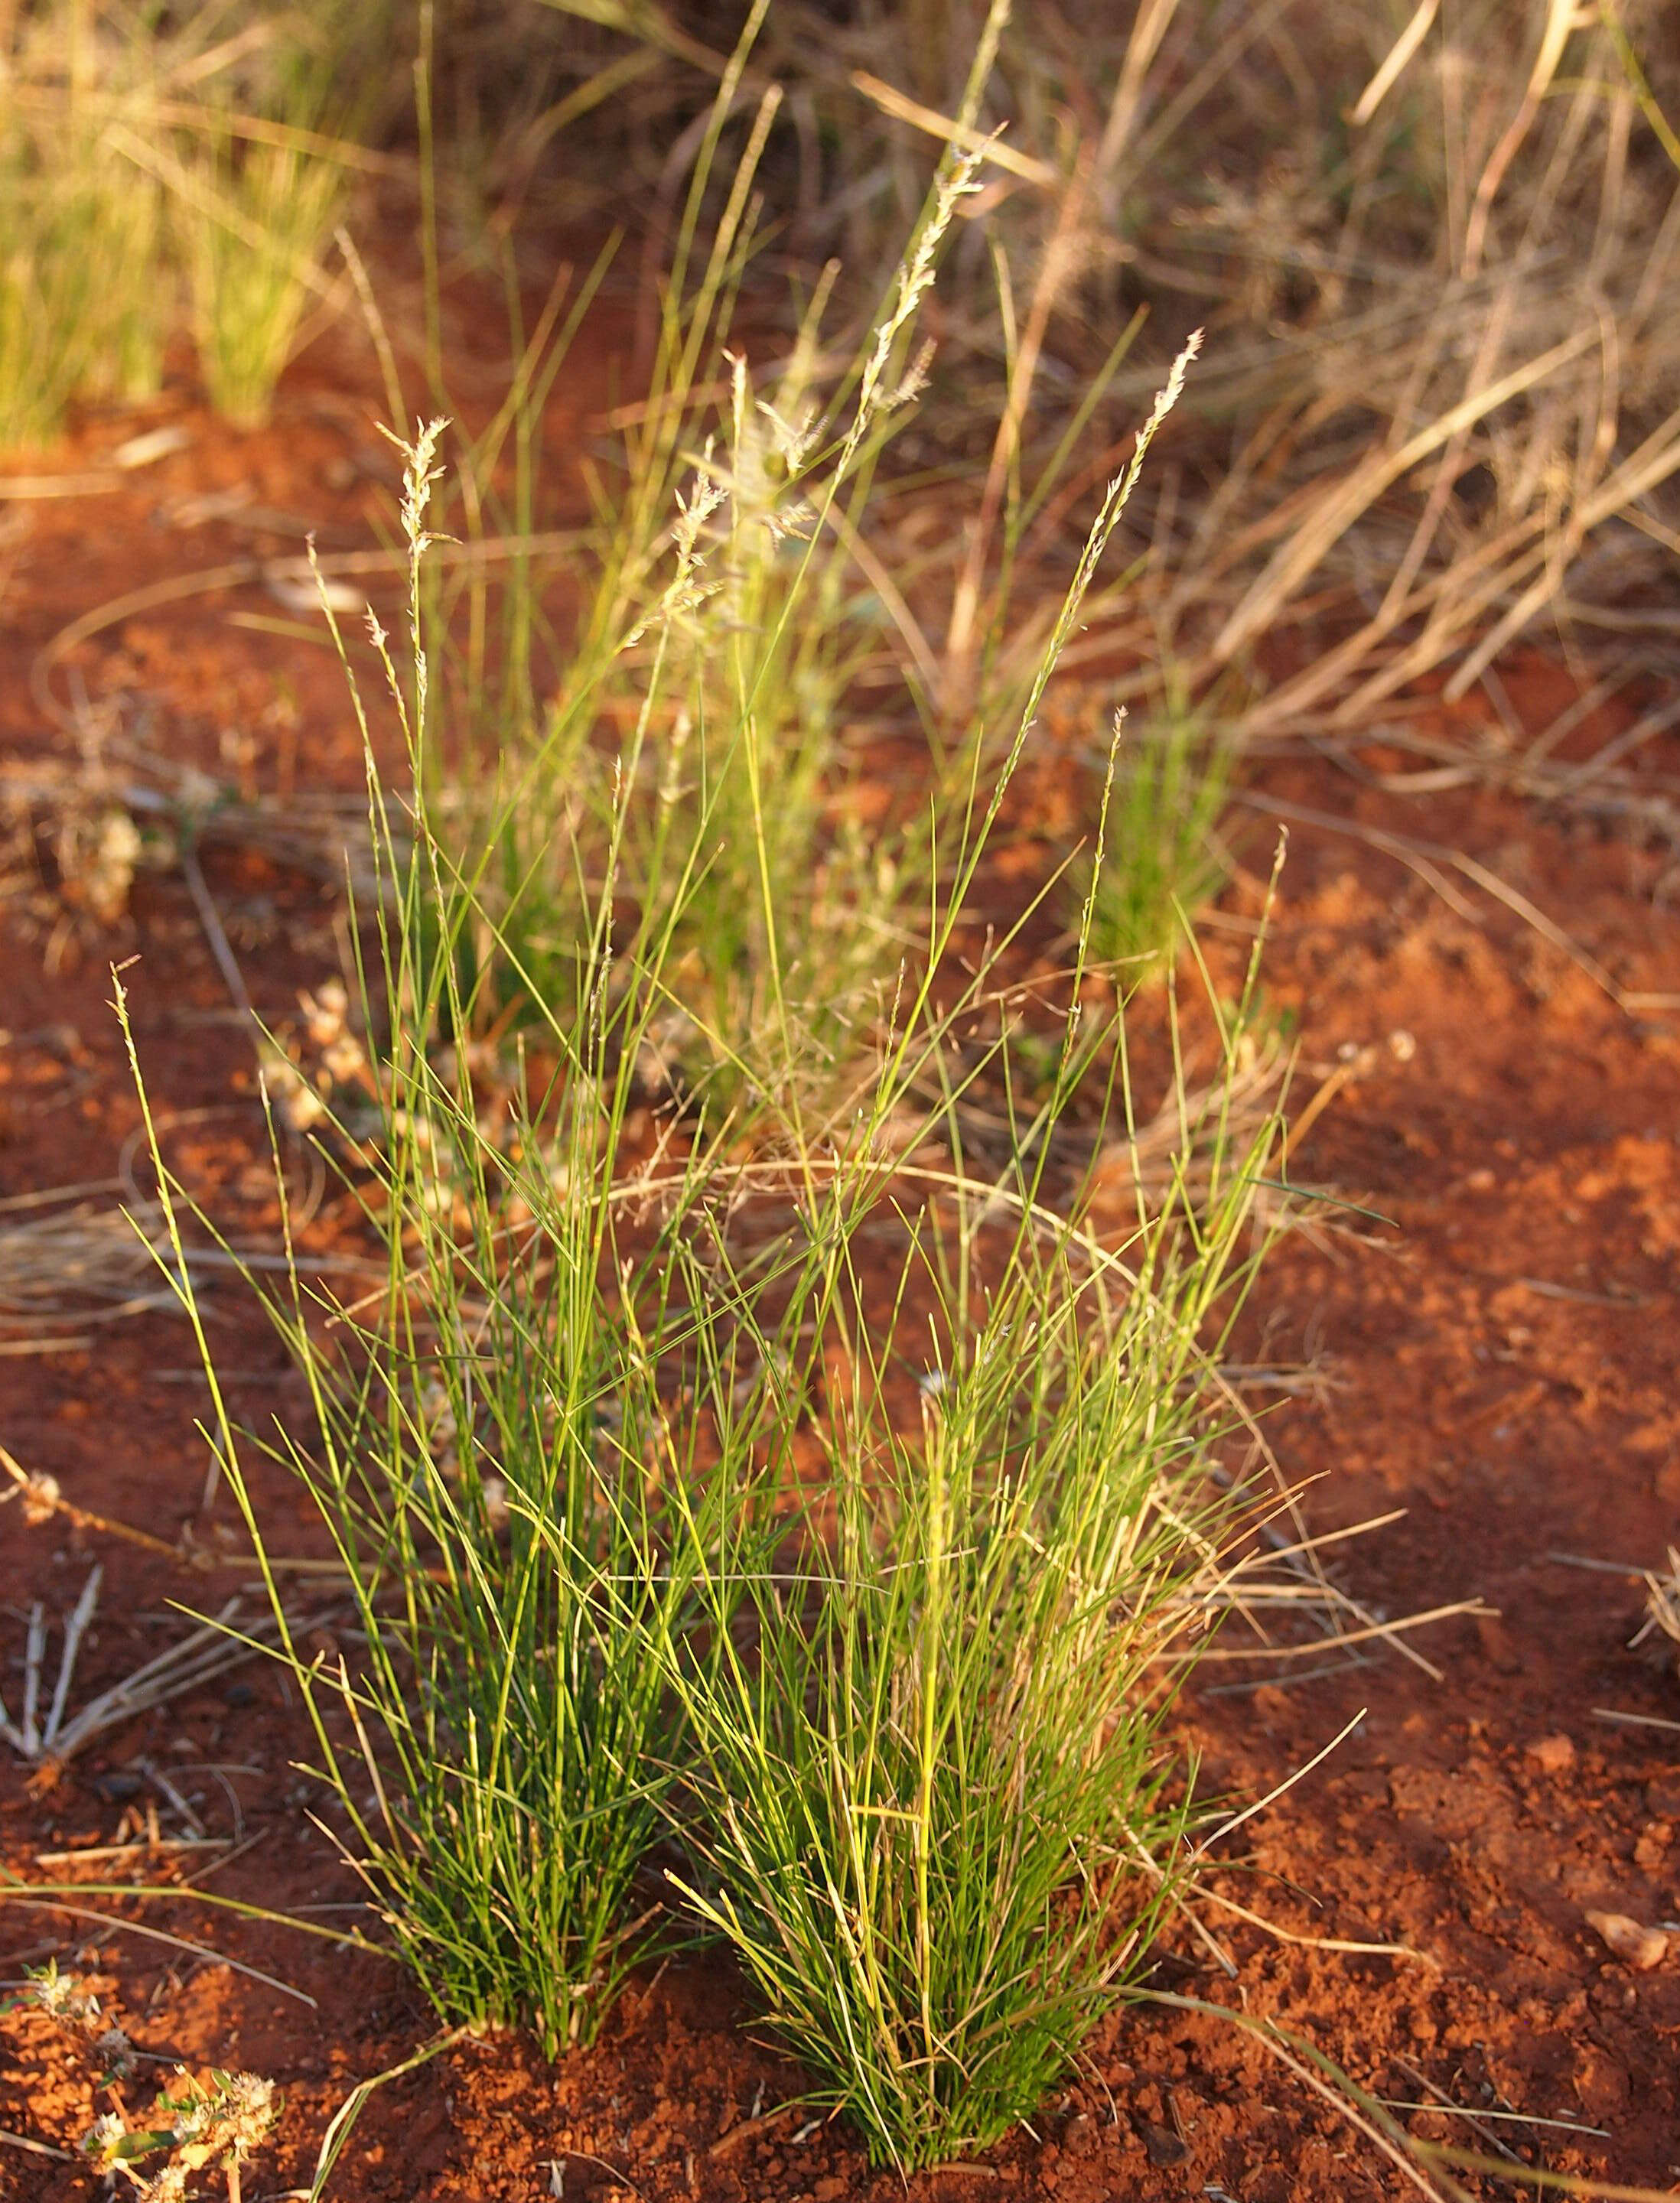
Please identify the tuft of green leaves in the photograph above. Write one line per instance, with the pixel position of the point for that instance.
(86, 299)
(936, 1827)
(253, 219)
(1161, 860)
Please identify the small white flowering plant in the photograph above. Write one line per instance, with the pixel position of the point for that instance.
(214, 2124)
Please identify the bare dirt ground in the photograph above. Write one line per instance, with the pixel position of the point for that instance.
(1498, 1359)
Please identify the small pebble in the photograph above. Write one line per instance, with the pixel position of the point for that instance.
(1164, 2146)
(1639, 1947)
(120, 1783)
(1553, 1753)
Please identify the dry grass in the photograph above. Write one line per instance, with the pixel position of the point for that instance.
(1437, 409)
(1438, 402)
(70, 1262)
(48, 1731)
(1662, 1603)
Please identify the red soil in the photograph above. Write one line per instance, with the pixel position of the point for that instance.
(1499, 1360)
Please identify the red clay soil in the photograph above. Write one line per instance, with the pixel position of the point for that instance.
(1498, 1360)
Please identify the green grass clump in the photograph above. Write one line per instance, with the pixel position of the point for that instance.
(254, 219)
(731, 605)
(493, 1444)
(85, 297)
(146, 160)
(936, 1829)
(1161, 858)
(490, 1473)
(654, 1539)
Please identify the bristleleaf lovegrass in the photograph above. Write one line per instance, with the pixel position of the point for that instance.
(86, 298)
(936, 1827)
(1161, 860)
(761, 1483)
(492, 1443)
(253, 219)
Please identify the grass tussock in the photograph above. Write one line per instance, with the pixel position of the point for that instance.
(737, 604)
(935, 1823)
(254, 224)
(1167, 782)
(890, 1717)
(155, 176)
(84, 303)
(726, 644)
